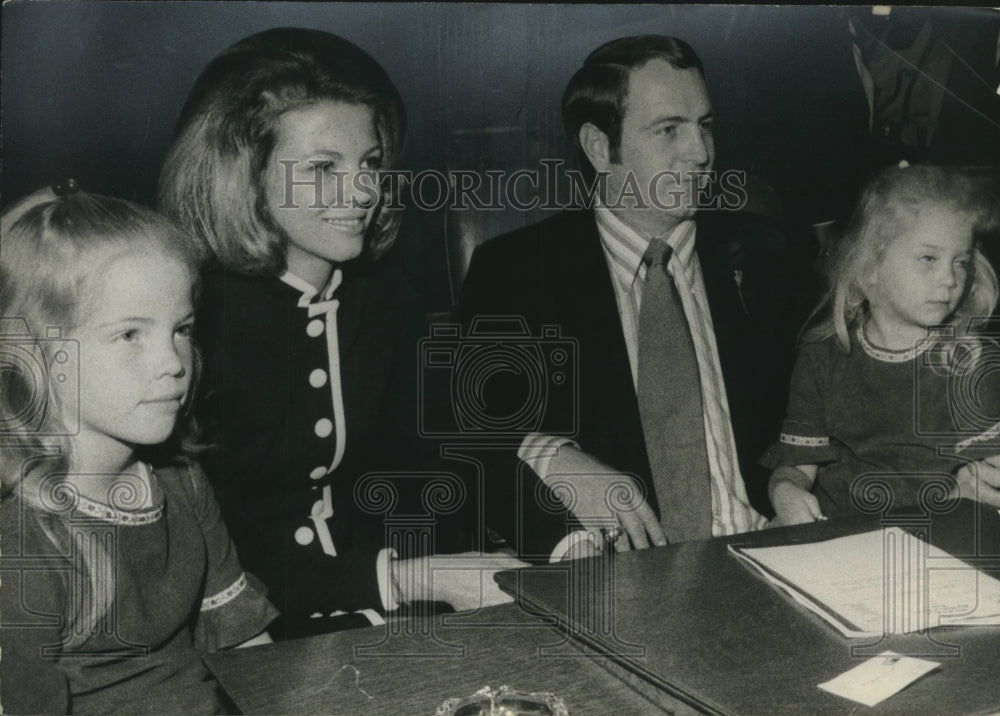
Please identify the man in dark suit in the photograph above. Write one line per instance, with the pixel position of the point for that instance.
(640, 114)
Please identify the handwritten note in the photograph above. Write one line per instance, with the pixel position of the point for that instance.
(878, 678)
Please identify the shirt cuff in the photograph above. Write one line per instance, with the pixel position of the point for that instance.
(537, 451)
(568, 542)
(372, 616)
(385, 588)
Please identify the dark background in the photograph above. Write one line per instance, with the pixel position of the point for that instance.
(92, 90)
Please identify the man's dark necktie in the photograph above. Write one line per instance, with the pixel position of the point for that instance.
(670, 404)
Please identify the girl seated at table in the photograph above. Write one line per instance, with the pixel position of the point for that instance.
(893, 393)
(118, 569)
(310, 340)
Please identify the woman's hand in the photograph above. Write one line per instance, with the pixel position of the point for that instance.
(465, 581)
(980, 481)
(790, 490)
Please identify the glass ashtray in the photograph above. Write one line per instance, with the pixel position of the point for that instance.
(504, 701)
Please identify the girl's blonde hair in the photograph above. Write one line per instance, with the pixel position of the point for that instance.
(53, 250)
(213, 181)
(888, 205)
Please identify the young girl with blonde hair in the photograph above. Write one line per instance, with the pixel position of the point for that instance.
(118, 571)
(892, 385)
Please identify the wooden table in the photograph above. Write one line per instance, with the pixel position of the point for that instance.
(695, 631)
(414, 673)
(694, 628)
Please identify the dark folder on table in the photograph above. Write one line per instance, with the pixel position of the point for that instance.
(603, 611)
(691, 628)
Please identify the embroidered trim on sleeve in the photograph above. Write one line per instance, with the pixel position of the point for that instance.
(803, 441)
(989, 434)
(226, 595)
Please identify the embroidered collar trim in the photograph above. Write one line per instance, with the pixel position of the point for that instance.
(122, 494)
(889, 356)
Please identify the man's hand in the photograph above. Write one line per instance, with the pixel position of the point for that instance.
(600, 496)
(980, 481)
(465, 581)
(791, 495)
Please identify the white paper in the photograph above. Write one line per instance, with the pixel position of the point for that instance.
(881, 582)
(878, 678)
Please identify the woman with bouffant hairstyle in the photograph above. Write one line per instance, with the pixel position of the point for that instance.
(213, 180)
(310, 341)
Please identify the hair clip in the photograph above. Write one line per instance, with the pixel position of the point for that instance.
(66, 187)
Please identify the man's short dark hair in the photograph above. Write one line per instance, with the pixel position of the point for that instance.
(598, 90)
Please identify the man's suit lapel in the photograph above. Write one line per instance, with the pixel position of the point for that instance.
(717, 270)
(581, 283)
(583, 294)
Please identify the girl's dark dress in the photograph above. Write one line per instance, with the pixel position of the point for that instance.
(884, 425)
(179, 591)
